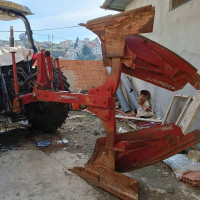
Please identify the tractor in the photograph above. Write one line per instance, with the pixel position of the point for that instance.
(42, 96)
(44, 116)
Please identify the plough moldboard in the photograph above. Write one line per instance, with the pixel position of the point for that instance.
(127, 52)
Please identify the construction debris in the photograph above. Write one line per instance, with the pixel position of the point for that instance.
(43, 143)
(194, 154)
(185, 169)
(138, 118)
(192, 179)
(62, 142)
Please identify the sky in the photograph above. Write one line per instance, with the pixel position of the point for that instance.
(50, 14)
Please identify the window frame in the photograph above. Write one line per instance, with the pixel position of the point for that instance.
(178, 5)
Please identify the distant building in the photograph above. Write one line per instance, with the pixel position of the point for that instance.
(66, 44)
(71, 54)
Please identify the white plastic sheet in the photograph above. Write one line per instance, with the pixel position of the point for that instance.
(21, 54)
(181, 164)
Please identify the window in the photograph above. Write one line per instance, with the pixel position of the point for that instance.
(176, 3)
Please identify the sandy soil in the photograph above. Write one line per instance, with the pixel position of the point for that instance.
(30, 172)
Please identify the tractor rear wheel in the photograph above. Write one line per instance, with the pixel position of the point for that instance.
(46, 117)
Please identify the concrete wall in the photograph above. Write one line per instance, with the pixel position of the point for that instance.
(84, 74)
(178, 30)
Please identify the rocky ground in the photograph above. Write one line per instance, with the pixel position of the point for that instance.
(31, 172)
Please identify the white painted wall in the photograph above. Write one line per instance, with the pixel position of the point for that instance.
(178, 30)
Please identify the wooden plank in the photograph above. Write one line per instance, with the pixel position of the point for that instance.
(138, 119)
(168, 109)
(183, 110)
(191, 114)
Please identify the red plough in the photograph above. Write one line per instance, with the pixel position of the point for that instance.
(139, 57)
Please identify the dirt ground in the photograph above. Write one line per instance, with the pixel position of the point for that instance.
(31, 172)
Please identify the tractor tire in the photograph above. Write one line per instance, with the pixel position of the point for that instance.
(48, 116)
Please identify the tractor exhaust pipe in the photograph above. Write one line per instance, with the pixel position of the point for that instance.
(11, 39)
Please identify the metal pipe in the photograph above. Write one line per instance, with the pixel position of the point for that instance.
(138, 118)
(130, 91)
(11, 39)
(121, 97)
(15, 73)
(29, 32)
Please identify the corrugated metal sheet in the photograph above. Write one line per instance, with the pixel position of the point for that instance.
(118, 5)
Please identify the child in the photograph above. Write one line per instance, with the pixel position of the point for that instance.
(144, 103)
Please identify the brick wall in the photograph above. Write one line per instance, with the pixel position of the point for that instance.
(84, 74)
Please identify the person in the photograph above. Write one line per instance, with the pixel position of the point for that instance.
(144, 102)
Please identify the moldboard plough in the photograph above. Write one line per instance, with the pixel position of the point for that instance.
(125, 51)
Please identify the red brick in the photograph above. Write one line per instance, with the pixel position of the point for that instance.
(89, 77)
(87, 62)
(102, 73)
(88, 72)
(104, 70)
(94, 62)
(87, 67)
(81, 77)
(80, 72)
(192, 179)
(72, 62)
(81, 82)
(70, 67)
(95, 77)
(100, 62)
(79, 62)
(102, 78)
(63, 62)
(95, 72)
(77, 67)
(75, 71)
(63, 68)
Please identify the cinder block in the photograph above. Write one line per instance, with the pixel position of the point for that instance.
(192, 179)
